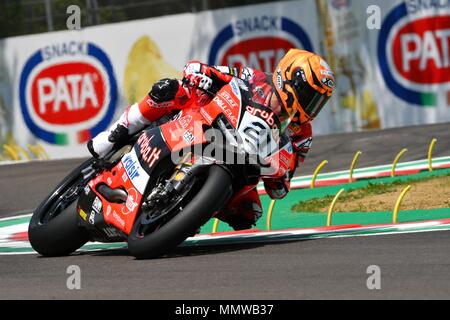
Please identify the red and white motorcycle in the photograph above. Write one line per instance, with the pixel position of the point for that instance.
(167, 181)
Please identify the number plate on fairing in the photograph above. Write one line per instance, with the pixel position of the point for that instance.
(258, 137)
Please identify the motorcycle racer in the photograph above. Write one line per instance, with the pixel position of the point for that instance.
(296, 92)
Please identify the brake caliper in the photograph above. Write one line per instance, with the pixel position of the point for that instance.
(167, 195)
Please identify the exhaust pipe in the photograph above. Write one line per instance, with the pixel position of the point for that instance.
(112, 195)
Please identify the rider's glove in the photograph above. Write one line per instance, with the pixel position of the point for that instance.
(277, 188)
(200, 81)
(194, 76)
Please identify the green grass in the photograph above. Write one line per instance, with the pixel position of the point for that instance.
(317, 204)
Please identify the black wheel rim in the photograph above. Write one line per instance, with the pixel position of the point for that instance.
(61, 200)
(141, 230)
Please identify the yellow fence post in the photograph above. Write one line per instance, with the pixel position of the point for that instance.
(316, 172)
(269, 215)
(11, 152)
(215, 224)
(332, 205)
(398, 203)
(352, 167)
(397, 158)
(430, 154)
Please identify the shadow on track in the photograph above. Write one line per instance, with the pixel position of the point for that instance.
(182, 252)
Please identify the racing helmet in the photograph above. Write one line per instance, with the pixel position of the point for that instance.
(303, 83)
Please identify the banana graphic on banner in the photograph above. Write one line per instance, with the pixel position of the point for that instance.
(344, 47)
(3, 122)
(359, 98)
(9, 148)
(145, 66)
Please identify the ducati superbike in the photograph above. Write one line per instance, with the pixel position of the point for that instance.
(167, 181)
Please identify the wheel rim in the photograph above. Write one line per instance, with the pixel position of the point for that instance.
(141, 229)
(59, 203)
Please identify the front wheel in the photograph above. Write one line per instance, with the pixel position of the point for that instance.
(54, 229)
(209, 198)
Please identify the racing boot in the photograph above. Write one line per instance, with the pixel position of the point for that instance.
(106, 141)
(242, 212)
(130, 122)
(277, 188)
(244, 217)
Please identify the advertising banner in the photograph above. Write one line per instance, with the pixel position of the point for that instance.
(60, 89)
(412, 59)
(394, 75)
(354, 105)
(255, 36)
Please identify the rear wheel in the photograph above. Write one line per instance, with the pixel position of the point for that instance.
(54, 228)
(206, 196)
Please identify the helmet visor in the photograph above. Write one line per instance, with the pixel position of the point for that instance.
(314, 104)
(311, 100)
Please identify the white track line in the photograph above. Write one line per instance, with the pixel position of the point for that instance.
(16, 217)
(19, 244)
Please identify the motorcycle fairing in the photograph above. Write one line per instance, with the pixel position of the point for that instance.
(120, 214)
(132, 175)
(151, 148)
(279, 163)
(184, 131)
(187, 130)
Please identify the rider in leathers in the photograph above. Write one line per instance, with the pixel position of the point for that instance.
(300, 86)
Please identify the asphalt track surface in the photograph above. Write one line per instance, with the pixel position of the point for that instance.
(413, 266)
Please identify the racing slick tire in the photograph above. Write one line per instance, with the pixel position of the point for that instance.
(215, 191)
(59, 235)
